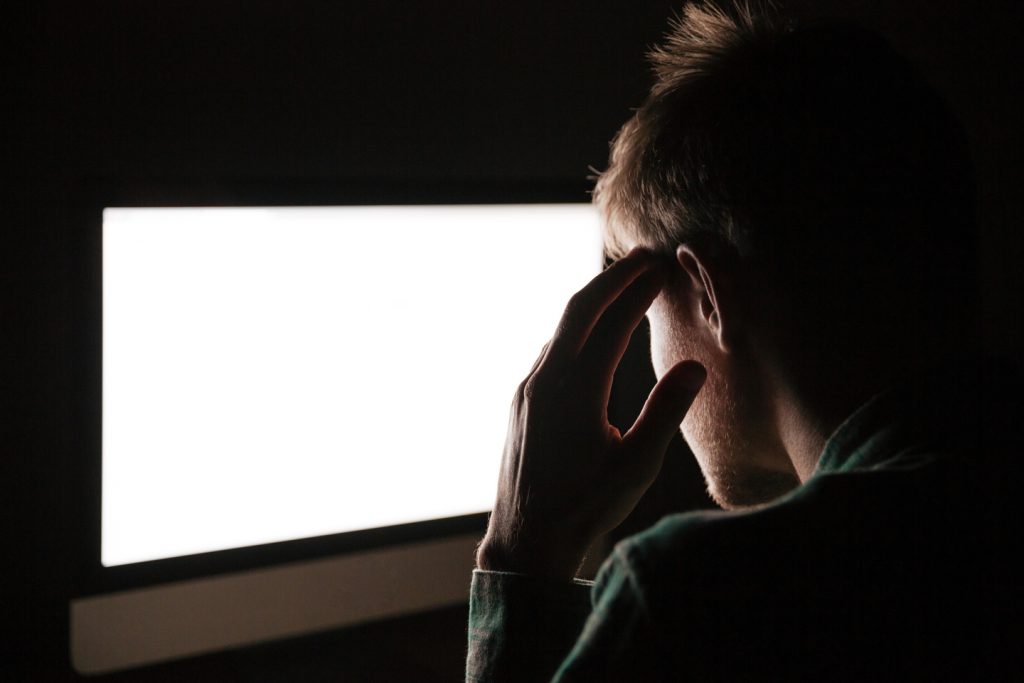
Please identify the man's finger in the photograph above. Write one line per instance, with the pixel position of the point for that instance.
(609, 338)
(665, 408)
(586, 305)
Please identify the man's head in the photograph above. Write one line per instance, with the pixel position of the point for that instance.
(814, 200)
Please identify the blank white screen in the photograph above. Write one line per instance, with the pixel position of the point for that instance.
(281, 373)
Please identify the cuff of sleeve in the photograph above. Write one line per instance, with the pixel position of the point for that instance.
(521, 627)
(489, 575)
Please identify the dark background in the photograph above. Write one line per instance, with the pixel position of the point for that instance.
(315, 102)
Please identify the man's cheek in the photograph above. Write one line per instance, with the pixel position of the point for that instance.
(658, 360)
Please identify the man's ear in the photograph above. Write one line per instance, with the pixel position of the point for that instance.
(709, 291)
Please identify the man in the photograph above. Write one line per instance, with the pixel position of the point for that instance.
(793, 209)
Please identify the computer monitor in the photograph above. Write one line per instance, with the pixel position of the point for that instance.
(303, 411)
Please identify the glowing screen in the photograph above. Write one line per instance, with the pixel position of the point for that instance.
(281, 373)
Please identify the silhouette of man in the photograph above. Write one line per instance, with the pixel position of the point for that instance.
(793, 210)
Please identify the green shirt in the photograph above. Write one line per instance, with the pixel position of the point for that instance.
(895, 560)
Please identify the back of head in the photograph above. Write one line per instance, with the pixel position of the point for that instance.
(820, 159)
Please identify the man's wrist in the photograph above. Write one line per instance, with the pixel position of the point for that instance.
(553, 561)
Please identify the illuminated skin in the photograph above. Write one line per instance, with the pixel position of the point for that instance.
(731, 425)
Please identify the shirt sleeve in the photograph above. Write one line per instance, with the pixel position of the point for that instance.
(618, 642)
(522, 627)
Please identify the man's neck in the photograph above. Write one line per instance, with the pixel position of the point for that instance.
(810, 407)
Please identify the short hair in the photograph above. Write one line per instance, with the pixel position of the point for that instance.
(816, 149)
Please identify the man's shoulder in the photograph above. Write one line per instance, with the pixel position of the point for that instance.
(832, 534)
(902, 536)
(705, 578)
(878, 561)
(709, 554)
(692, 536)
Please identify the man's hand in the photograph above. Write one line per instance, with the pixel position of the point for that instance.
(567, 475)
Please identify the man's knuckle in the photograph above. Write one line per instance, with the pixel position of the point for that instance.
(520, 395)
(576, 304)
(531, 388)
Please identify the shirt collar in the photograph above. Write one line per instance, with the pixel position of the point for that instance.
(948, 409)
